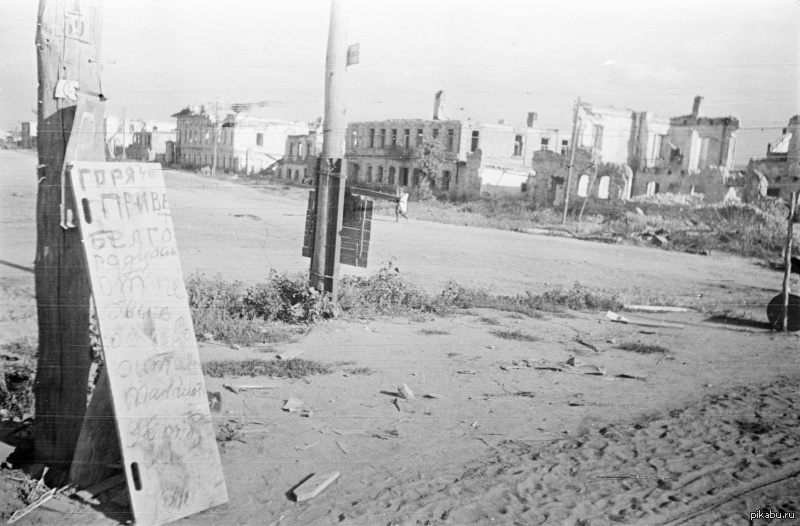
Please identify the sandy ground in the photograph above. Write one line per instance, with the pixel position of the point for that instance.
(497, 439)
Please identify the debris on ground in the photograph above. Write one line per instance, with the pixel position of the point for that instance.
(292, 405)
(404, 392)
(288, 355)
(89, 495)
(314, 486)
(30, 507)
(655, 308)
(656, 237)
(613, 316)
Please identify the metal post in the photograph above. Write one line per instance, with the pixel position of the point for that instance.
(571, 160)
(330, 177)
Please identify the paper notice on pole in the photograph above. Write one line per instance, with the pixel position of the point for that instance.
(168, 445)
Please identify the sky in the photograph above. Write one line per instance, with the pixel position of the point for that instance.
(495, 60)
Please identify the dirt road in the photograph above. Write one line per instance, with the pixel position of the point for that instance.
(506, 435)
(241, 233)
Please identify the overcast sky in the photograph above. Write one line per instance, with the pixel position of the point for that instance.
(495, 60)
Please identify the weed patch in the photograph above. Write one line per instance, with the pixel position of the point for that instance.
(294, 368)
(489, 321)
(643, 348)
(363, 371)
(433, 332)
(516, 335)
(554, 300)
(18, 371)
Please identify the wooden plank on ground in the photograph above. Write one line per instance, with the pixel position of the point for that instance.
(314, 486)
(169, 450)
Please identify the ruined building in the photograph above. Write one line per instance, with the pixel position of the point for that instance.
(639, 153)
(244, 143)
(778, 174)
(479, 158)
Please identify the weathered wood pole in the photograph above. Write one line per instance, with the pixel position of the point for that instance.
(573, 150)
(331, 175)
(787, 289)
(68, 48)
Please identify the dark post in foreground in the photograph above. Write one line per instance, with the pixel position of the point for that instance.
(788, 261)
(331, 175)
(68, 49)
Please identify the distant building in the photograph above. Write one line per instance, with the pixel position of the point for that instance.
(300, 156)
(778, 174)
(639, 153)
(243, 143)
(696, 156)
(155, 142)
(479, 157)
(29, 133)
(120, 132)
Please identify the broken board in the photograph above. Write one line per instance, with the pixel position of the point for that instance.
(169, 449)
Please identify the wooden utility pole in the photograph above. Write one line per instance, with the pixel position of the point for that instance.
(572, 152)
(216, 139)
(787, 258)
(68, 49)
(330, 177)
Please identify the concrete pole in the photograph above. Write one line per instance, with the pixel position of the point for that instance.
(330, 177)
(573, 150)
(68, 48)
(787, 290)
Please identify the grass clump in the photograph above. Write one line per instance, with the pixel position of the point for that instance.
(294, 368)
(516, 335)
(18, 374)
(433, 332)
(643, 348)
(363, 371)
(387, 293)
(558, 299)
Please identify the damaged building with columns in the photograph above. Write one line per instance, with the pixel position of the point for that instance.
(625, 153)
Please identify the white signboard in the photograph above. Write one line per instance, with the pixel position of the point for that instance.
(167, 440)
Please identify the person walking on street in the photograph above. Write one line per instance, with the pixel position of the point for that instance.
(402, 206)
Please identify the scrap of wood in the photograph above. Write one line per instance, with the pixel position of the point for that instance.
(342, 447)
(292, 405)
(345, 432)
(313, 486)
(288, 355)
(432, 395)
(30, 507)
(656, 308)
(88, 495)
(634, 376)
(587, 344)
(247, 387)
(642, 322)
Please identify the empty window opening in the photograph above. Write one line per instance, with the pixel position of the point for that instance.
(602, 187)
(583, 185)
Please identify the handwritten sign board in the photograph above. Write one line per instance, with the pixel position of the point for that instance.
(168, 445)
